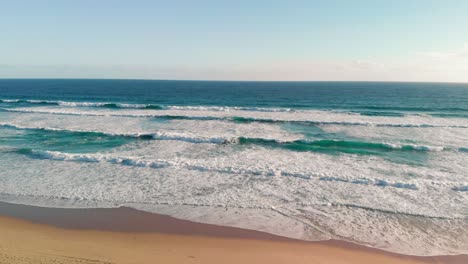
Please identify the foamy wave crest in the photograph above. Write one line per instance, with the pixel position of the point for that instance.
(177, 136)
(191, 165)
(143, 135)
(338, 145)
(61, 156)
(413, 147)
(229, 108)
(356, 147)
(110, 105)
(148, 106)
(24, 101)
(137, 162)
(304, 117)
(59, 112)
(82, 104)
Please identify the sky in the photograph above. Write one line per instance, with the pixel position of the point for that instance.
(359, 40)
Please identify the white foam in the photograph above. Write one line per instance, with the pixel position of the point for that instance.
(28, 101)
(229, 168)
(449, 137)
(138, 106)
(312, 116)
(80, 104)
(153, 135)
(57, 155)
(427, 148)
(229, 108)
(232, 188)
(193, 137)
(298, 194)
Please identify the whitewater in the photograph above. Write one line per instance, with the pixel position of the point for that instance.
(378, 164)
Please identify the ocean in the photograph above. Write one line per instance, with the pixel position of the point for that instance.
(378, 164)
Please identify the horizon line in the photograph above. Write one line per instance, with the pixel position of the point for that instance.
(230, 80)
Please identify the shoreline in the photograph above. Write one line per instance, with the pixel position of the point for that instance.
(132, 230)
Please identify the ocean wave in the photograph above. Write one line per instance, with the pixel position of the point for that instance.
(237, 119)
(110, 105)
(414, 109)
(135, 162)
(229, 108)
(62, 156)
(82, 104)
(344, 146)
(142, 135)
(358, 147)
(146, 106)
(190, 165)
(342, 123)
(24, 101)
(374, 109)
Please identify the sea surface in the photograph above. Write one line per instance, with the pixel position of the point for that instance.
(378, 164)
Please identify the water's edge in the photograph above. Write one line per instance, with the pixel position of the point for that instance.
(85, 219)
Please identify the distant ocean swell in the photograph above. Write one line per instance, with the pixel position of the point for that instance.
(140, 106)
(237, 119)
(375, 110)
(80, 104)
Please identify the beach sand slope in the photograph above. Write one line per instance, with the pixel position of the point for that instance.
(25, 242)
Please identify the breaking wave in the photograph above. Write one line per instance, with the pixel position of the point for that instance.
(23, 101)
(142, 135)
(238, 119)
(82, 104)
(189, 165)
(355, 147)
(373, 109)
(338, 146)
(144, 106)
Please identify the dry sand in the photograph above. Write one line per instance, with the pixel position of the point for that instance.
(44, 235)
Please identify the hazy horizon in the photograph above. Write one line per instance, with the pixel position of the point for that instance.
(206, 80)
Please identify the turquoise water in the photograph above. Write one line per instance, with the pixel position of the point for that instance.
(343, 160)
(69, 141)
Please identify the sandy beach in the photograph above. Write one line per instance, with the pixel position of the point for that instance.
(122, 235)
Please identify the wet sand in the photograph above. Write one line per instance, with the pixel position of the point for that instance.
(31, 234)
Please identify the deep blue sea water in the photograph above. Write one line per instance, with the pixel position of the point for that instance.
(372, 96)
(310, 160)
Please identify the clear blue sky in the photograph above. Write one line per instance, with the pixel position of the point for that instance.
(272, 40)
